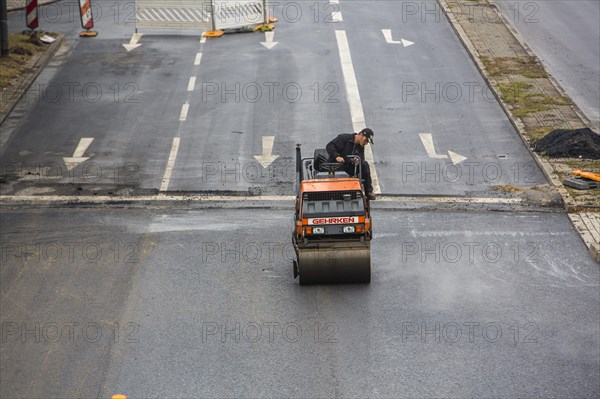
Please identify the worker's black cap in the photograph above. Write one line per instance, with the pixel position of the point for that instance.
(369, 133)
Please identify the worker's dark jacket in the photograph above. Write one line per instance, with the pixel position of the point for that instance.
(343, 145)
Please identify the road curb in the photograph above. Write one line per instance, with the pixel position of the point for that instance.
(26, 80)
(568, 202)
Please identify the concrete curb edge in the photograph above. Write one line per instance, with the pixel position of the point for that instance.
(545, 166)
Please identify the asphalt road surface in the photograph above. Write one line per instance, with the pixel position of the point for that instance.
(176, 299)
(202, 303)
(565, 36)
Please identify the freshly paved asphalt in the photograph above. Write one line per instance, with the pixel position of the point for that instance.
(206, 306)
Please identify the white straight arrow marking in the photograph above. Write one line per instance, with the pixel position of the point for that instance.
(267, 158)
(77, 158)
(356, 109)
(269, 43)
(133, 43)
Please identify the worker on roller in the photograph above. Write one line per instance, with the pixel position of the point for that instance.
(353, 144)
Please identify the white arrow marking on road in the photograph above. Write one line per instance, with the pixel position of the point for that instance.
(78, 157)
(456, 158)
(267, 158)
(427, 140)
(387, 33)
(133, 43)
(269, 43)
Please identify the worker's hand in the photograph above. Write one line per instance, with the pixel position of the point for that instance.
(340, 159)
(355, 161)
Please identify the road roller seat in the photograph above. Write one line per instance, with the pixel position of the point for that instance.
(323, 169)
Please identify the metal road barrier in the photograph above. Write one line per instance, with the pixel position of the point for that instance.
(173, 14)
(228, 14)
(199, 14)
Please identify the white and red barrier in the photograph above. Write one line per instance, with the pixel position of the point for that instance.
(87, 19)
(32, 14)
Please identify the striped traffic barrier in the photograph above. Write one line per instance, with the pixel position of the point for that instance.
(32, 14)
(87, 19)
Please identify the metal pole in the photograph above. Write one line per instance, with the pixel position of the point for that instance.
(3, 28)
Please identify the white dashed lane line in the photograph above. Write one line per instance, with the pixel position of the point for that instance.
(184, 111)
(170, 165)
(191, 83)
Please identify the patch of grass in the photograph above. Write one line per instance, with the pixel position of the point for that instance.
(539, 132)
(528, 67)
(508, 188)
(526, 99)
(21, 48)
(592, 165)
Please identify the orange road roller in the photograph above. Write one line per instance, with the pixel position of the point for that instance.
(332, 223)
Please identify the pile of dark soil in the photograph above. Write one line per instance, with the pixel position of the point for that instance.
(575, 143)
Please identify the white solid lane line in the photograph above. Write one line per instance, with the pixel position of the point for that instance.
(184, 111)
(191, 84)
(170, 165)
(356, 109)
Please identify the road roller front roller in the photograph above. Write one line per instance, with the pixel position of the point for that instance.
(332, 222)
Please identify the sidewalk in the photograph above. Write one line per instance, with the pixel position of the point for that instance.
(20, 4)
(506, 62)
